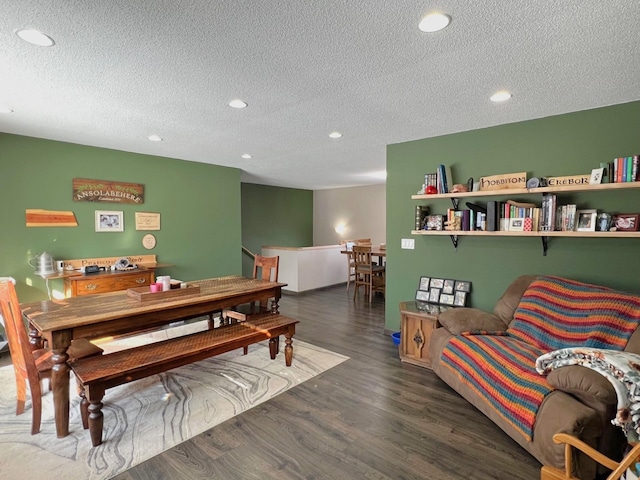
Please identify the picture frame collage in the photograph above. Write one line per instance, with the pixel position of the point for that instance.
(443, 291)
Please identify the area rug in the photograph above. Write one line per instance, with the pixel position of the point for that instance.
(146, 417)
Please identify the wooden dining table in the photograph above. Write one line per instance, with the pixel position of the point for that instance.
(381, 253)
(118, 313)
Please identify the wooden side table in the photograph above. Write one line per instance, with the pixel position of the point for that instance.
(416, 327)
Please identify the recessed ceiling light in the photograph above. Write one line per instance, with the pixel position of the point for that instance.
(335, 134)
(237, 103)
(5, 109)
(246, 155)
(155, 138)
(434, 22)
(35, 37)
(500, 96)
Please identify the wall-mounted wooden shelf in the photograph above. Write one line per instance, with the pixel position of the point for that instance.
(544, 235)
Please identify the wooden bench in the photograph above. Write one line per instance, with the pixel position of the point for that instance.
(98, 374)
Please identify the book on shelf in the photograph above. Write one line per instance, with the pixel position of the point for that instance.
(445, 182)
(548, 212)
(493, 216)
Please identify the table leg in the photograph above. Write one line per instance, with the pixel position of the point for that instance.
(288, 349)
(35, 340)
(60, 386)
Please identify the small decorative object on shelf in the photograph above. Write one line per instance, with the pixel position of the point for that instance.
(604, 222)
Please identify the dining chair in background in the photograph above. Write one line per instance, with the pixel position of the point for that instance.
(33, 366)
(368, 274)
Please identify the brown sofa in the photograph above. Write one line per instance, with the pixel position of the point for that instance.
(581, 401)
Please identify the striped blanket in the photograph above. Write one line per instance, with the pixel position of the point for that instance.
(553, 313)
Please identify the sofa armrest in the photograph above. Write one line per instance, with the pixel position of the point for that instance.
(585, 384)
(458, 320)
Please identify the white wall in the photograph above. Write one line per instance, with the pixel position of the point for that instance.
(362, 209)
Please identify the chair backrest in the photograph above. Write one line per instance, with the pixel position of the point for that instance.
(23, 360)
(363, 241)
(362, 255)
(268, 267)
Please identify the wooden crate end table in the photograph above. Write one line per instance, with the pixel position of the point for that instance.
(416, 327)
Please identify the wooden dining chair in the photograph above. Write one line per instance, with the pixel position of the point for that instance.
(617, 468)
(32, 366)
(368, 274)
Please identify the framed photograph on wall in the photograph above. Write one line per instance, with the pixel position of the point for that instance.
(462, 286)
(586, 220)
(437, 283)
(422, 295)
(424, 283)
(434, 295)
(107, 221)
(460, 299)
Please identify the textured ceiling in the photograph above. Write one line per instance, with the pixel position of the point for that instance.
(122, 69)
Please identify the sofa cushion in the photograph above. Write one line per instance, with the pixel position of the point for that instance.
(501, 370)
(557, 313)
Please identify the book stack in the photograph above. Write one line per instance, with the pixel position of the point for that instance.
(624, 169)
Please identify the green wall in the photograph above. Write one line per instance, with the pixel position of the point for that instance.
(568, 144)
(275, 216)
(199, 206)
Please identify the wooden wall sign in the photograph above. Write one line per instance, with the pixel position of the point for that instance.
(505, 181)
(572, 180)
(86, 190)
(108, 261)
(50, 218)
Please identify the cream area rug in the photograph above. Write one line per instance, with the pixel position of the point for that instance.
(146, 417)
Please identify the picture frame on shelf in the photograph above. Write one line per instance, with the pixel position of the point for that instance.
(447, 286)
(586, 220)
(422, 295)
(434, 222)
(109, 221)
(424, 283)
(516, 224)
(462, 286)
(434, 295)
(626, 222)
(446, 298)
(460, 299)
(596, 176)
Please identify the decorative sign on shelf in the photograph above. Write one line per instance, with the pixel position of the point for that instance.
(86, 190)
(571, 180)
(505, 181)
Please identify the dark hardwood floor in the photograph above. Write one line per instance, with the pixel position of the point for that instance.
(370, 417)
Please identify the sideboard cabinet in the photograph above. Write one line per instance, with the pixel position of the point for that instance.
(109, 281)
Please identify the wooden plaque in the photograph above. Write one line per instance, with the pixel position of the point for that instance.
(505, 181)
(87, 190)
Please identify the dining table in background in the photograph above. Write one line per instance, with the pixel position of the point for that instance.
(381, 253)
(118, 313)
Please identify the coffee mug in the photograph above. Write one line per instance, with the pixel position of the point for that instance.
(155, 287)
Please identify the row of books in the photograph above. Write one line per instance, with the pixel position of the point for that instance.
(514, 216)
(441, 179)
(623, 169)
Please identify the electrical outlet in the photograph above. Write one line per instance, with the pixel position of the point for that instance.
(408, 243)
